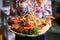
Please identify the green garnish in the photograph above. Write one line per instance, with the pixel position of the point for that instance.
(31, 31)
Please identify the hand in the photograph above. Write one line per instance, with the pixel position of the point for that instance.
(49, 19)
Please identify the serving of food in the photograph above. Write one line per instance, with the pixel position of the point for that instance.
(28, 24)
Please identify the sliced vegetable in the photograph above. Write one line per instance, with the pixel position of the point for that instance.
(29, 24)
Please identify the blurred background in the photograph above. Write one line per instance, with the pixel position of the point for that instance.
(52, 34)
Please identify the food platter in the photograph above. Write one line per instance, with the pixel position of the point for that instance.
(42, 31)
(29, 25)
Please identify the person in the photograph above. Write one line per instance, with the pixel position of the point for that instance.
(20, 5)
(12, 8)
(41, 9)
(17, 7)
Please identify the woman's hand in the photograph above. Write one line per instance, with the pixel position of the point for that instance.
(49, 19)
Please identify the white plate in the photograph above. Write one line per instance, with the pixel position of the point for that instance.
(42, 31)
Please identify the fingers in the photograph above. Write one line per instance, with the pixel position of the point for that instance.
(50, 17)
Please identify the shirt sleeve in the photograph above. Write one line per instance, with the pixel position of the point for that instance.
(48, 8)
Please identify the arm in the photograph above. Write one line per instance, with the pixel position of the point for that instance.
(48, 12)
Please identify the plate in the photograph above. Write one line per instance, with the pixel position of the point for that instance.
(41, 32)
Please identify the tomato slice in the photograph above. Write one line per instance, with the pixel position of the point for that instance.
(29, 24)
